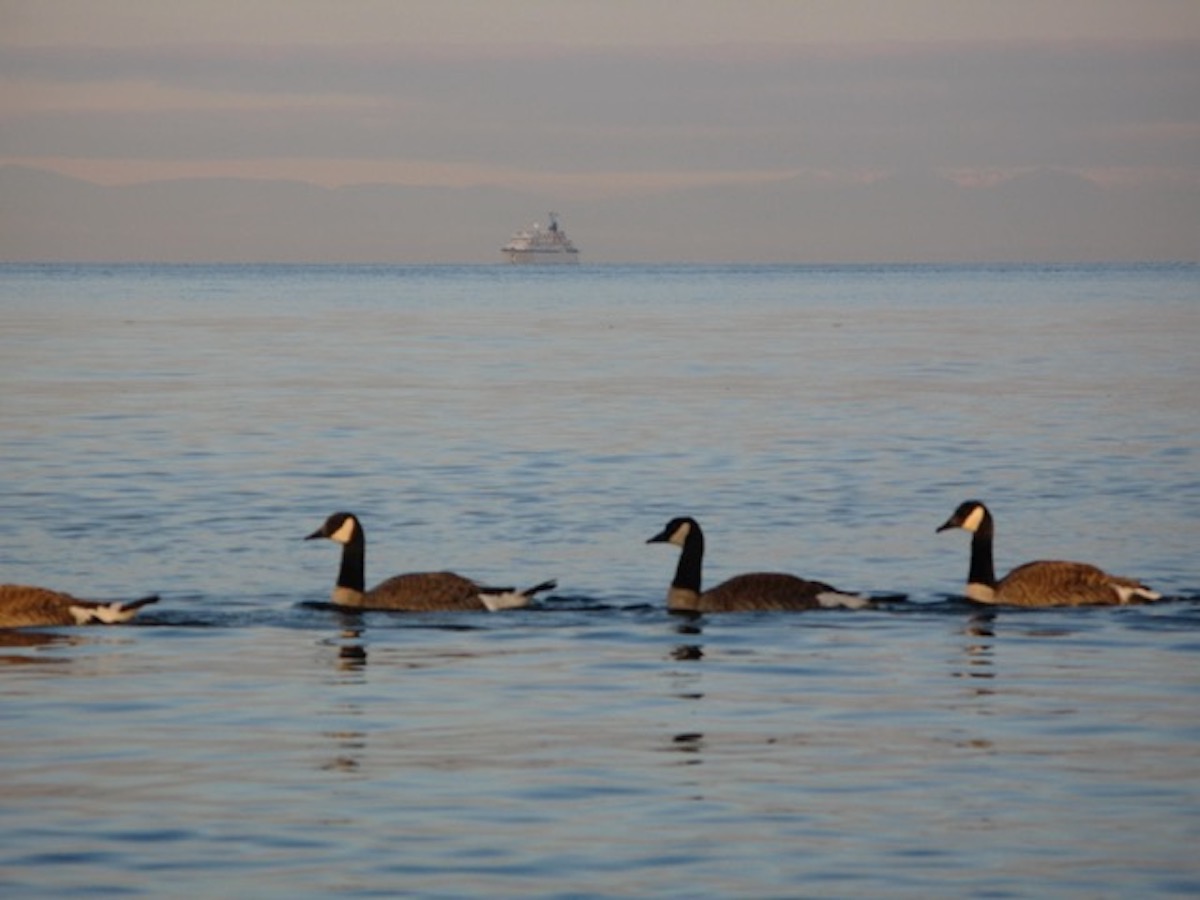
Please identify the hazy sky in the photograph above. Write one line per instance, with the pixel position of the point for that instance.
(585, 99)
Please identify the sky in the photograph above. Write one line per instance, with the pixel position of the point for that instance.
(642, 121)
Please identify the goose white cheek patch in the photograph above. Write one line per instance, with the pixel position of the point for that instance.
(972, 522)
(344, 533)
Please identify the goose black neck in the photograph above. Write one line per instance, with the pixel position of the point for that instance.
(982, 569)
(687, 573)
(353, 571)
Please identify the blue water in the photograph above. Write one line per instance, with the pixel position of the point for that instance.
(180, 429)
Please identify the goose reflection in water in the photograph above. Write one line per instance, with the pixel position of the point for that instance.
(979, 652)
(351, 660)
(20, 639)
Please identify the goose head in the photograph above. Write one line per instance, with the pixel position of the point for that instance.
(971, 516)
(341, 528)
(676, 532)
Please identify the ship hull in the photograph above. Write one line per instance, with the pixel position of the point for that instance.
(542, 257)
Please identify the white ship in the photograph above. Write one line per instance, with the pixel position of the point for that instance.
(541, 245)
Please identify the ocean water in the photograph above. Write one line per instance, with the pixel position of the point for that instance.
(179, 430)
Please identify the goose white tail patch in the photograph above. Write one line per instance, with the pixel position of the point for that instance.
(834, 600)
(1128, 594)
(507, 600)
(107, 614)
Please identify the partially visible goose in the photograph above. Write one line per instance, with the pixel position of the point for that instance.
(22, 605)
(754, 591)
(1040, 583)
(417, 591)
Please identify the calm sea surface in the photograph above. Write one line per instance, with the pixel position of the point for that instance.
(179, 429)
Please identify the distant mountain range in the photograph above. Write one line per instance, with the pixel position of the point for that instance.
(1044, 216)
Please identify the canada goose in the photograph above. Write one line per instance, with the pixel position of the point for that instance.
(754, 591)
(417, 591)
(22, 605)
(1040, 583)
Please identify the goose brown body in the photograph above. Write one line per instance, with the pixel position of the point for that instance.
(414, 591)
(749, 592)
(1043, 582)
(1062, 583)
(424, 592)
(23, 605)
